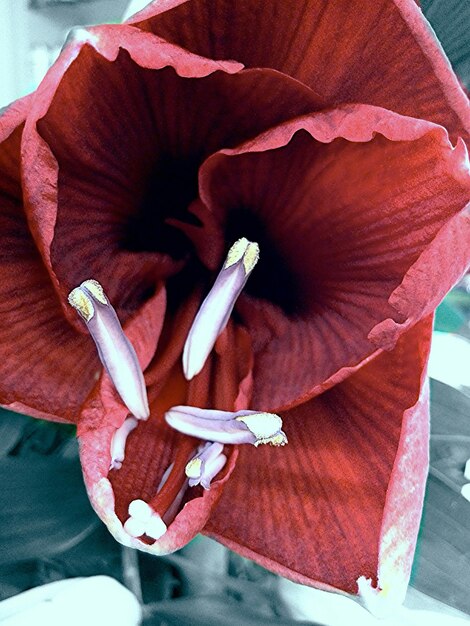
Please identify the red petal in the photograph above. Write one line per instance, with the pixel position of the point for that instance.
(47, 368)
(380, 53)
(343, 499)
(356, 200)
(110, 149)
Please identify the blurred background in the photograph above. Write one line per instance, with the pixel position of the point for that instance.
(51, 542)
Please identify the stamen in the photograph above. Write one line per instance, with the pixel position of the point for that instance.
(118, 443)
(215, 311)
(228, 427)
(114, 349)
(202, 468)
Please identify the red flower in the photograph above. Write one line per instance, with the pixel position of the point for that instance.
(150, 148)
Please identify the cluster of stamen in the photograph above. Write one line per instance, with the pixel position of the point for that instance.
(214, 427)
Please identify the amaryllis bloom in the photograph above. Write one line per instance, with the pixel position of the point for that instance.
(254, 208)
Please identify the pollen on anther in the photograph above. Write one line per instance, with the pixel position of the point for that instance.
(262, 425)
(94, 287)
(236, 252)
(251, 257)
(82, 303)
(193, 468)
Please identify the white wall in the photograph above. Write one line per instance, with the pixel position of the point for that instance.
(30, 38)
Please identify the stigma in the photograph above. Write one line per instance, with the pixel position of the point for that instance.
(253, 427)
(114, 349)
(217, 307)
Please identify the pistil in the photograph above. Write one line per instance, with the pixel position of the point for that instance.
(216, 309)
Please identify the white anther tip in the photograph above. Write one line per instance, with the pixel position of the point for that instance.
(155, 527)
(134, 527)
(140, 510)
(115, 464)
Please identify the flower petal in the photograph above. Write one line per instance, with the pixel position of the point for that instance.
(47, 368)
(343, 499)
(384, 52)
(359, 196)
(103, 175)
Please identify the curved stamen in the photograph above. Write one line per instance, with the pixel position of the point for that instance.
(215, 311)
(114, 349)
(237, 427)
(203, 468)
(118, 442)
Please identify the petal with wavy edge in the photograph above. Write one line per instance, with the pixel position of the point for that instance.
(384, 52)
(364, 207)
(343, 500)
(113, 170)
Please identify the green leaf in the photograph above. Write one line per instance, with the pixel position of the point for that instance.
(442, 563)
(448, 318)
(12, 427)
(44, 508)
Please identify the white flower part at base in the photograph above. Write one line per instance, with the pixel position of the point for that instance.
(382, 604)
(155, 527)
(237, 427)
(114, 349)
(216, 309)
(143, 520)
(134, 527)
(140, 510)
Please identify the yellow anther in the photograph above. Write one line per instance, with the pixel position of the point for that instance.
(251, 257)
(278, 440)
(95, 289)
(236, 252)
(243, 249)
(193, 468)
(82, 303)
(266, 427)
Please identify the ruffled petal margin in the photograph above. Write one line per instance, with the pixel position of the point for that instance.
(102, 175)
(342, 501)
(382, 53)
(363, 212)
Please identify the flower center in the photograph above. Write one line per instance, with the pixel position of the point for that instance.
(193, 465)
(171, 188)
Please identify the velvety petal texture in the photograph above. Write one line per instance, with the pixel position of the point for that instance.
(332, 136)
(43, 357)
(131, 159)
(405, 191)
(389, 58)
(343, 499)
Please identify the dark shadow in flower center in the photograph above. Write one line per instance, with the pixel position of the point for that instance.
(171, 187)
(272, 279)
